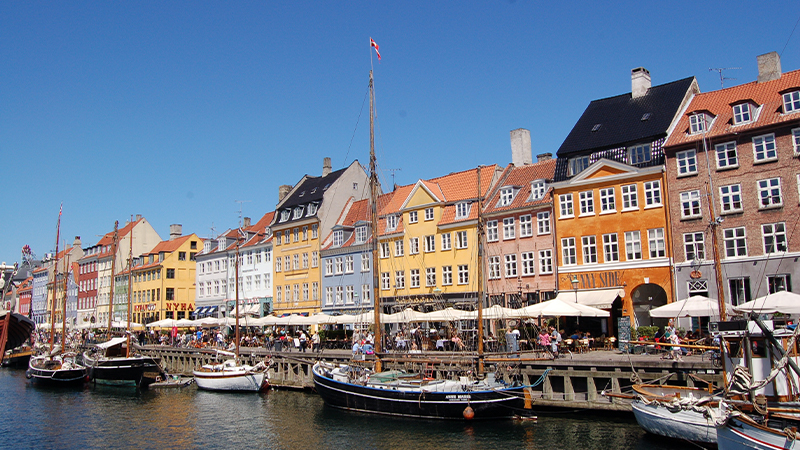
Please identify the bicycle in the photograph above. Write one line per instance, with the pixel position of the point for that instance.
(714, 356)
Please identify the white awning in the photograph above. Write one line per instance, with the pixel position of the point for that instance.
(599, 298)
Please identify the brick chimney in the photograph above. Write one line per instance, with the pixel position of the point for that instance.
(77, 242)
(521, 147)
(247, 222)
(175, 231)
(640, 82)
(326, 166)
(544, 157)
(283, 191)
(769, 67)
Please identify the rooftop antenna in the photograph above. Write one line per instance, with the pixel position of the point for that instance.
(723, 78)
(393, 171)
(240, 210)
(213, 231)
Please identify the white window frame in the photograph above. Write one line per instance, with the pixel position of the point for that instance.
(398, 248)
(428, 214)
(391, 222)
(610, 247)
(414, 278)
(446, 242)
(328, 267)
(698, 123)
(578, 165)
(430, 243)
(545, 261)
(528, 264)
(509, 228)
(764, 148)
(633, 245)
(538, 188)
(589, 249)
(525, 226)
(447, 275)
(730, 198)
(349, 264)
(463, 209)
(461, 240)
(361, 234)
(412, 217)
(463, 274)
(639, 154)
(630, 197)
(770, 194)
(510, 265)
(735, 241)
(727, 155)
(791, 102)
(338, 265)
(608, 203)
(384, 250)
(494, 267)
(773, 236)
(491, 231)
(365, 262)
(338, 238)
(385, 282)
(690, 204)
(586, 201)
(399, 279)
(430, 277)
(652, 194)
(742, 113)
(694, 246)
(543, 222)
(796, 141)
(656, 243)
(686, 163)
(413, 246)
(506, 195)
(565, 206)
(568, 252)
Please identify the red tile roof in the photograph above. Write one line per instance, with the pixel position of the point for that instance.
(766, 95)
(521, 177)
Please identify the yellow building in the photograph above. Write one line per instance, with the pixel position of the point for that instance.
(163, 283)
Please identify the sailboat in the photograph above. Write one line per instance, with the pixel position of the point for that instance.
(392, 392)
(15, 330)
(116, 362)
(231, 374)
(57, 366)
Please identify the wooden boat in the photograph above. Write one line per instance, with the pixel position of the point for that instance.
(742, 432)
(175, 381)
(15, 329)
(18, 357)
(674, 421)
(113, 363)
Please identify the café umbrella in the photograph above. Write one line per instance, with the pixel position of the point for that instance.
(779, 302)
(559, 308)
(694, 306)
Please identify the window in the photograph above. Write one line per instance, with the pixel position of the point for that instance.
(391, 223)
(365, 293)
(739, 289)
(726, 155)
(494, 267)
(305, 233)
(462, 210)
(278, 264)
(538, 188)
(170, 273)
(565, 204)
(633, 245)
(279, 293)
(399, 279)
(298, 212)
(446, 245)
(181, 256)
(528, 264)
(398, 247)
(694, 246)
(511, 265)
(509, 230)
(578, 165)
(312, 209)
(697, 123)
(778, 283)
(687, 162)
(361, 234)
(491, 231)
(607, 200)
(296, 261)
(630, 199)
(586, 203)
(796, 141)
(525, 226)
(545, 261)
(774, 237)
(463, 274)
(338, 295)
(589, 249)
(461, 239)
(656, 243)
(295, 234)
(365, 259)
(315, 290)
(305, 291)
(430, 243)
(348, 264)
(314, 230)
(506, 196)
(413, 245)
(414, 278)
(639, 154)
(652, 193)
(338, 238)
(385, 281)
(339, 265)
(384, 249)
(698, 287)
(430, 277)
(170, 294)
(791, 102)
(543, 222)
(568, 251)
(690, 204)
(412, 217)
(741, 113)
(769, 192)
(447, 275)
(731, 198)
(285, 215)
(735, 242)
(764, 148)
(314, 259)
(428, 213)
(329, 296)
(610, 247)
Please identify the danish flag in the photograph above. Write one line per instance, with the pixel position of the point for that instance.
(373, 44)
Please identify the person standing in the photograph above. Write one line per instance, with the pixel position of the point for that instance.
(315, 341)
(555, 340)
(303, 341)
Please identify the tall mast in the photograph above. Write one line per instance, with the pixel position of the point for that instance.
(714, 225)
(480, 274)
(130, 286)
(373, 185)
(237, 298)
(111, 287)
(64, 314)
(55, 283)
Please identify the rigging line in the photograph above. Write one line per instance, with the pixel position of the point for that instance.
(790, 36)
(358, 120)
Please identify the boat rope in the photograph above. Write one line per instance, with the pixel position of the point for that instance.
(742, 381)
(540, 380)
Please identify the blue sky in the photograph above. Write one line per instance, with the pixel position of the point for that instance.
(176, 110)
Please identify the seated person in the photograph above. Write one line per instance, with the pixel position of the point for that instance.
(368, 349)
(457, 343)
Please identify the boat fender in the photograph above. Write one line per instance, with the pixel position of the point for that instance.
(469, 414)
(28, 374)
(158, 379)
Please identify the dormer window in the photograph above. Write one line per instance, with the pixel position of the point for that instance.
(698, 123)
(596, 127)
(298, 212)
(302, 193)
(639, 154)
(285, 215)
(391, 223)
(578, 165)
(506, 196)
(791, 102)
(361, 234)
(462, 210)
(538, 188)
(338, 238)
(312, 209)
(742, 113)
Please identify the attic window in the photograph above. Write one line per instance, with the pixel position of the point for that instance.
(302, 194)
(313, 190)
(298, 212)
(596, 127)
(698, 123)
(462, 210)
(312, 209)
(791, 102)
(338, 238)
(646, 116)
(639, 154)
(506, 196)
(742, 113)
(326, 187)
(285, 215)
(577, 165)
(537, 189)
(391, 223)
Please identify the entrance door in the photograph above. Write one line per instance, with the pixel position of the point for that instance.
(646, 297)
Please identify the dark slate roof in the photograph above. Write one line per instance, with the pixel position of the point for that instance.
(620, 119)
(310, 190)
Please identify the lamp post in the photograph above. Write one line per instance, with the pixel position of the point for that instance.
(575, 287)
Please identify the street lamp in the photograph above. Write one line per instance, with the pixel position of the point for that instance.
(575, 286)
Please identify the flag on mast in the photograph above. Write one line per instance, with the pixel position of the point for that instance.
(373, 44)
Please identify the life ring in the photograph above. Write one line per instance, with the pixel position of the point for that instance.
(158, 379)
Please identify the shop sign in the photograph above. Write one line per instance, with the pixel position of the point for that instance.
(593, 280)
(179, 307)
(147, 307)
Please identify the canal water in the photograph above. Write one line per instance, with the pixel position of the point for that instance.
(102, 417)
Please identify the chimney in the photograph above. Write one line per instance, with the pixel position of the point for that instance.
(544, 157)
(326, 166)
(283, 191)
(640, 82)
(521, 147)
(138, 217)
(247, 222)
(769, 67)
(175, 231)
(77, 242)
